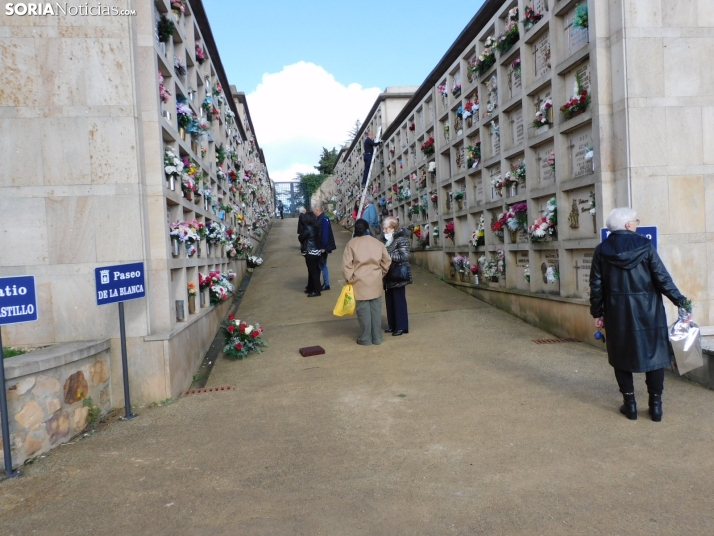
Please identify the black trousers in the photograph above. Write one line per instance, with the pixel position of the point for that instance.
(367, 162)
(397, 316)
(654, 380)
(313, 273)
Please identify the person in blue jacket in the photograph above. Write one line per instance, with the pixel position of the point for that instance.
(327, 240)
(369, 214)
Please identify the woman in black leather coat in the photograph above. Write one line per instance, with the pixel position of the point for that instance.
(627, 281)
(397, 242)
(310, 248)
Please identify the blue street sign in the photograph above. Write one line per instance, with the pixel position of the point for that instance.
(18, 299)
(648, 232)
(119, 283)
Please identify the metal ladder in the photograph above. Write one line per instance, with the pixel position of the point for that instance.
(369, 177)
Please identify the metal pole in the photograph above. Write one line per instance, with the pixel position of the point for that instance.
(125, 368)
(9, 473)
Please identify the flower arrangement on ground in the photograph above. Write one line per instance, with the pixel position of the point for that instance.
(428, 147)
(164, 94)
(485, 60)
(241, 338)
(579, 102)
(450, 230)
(179, 66)
(545, 229)
(254, 261)
(165, 28)
(543, 115)
(531, 18)
(510, 35)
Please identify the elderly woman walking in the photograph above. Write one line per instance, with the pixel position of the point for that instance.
(364, 264)
(627, 281)
(398, 277)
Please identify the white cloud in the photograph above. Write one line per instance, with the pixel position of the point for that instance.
(300, 110)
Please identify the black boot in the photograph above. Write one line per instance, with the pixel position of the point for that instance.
(629, 407)
(656, 407)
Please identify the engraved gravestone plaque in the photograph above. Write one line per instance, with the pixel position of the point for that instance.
(546, 173)
(576, 38)
(514, 82)
(518, 131)
(479, 191)
(580, 143)
(541, 53)
(521, 265)
(495, 135)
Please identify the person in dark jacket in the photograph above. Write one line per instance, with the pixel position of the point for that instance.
(369, 145)
(397, 242)
(301, 220)
(627, 281)
(310, 242)
(327, 242)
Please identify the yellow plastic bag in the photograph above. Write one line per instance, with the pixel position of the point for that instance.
(346, 302)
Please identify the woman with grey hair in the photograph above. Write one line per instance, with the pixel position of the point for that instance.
(627, 281)
(398, 277)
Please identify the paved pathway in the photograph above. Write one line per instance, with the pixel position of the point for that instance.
(464, 426)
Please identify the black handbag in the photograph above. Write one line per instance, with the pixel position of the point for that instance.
(399, 272)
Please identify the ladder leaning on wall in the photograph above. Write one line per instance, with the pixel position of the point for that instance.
(369, 177)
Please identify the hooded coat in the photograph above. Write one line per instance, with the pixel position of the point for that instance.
(627, 281)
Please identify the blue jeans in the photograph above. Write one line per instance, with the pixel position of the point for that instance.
(323, 267)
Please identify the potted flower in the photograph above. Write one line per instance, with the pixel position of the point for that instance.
(517, 219)
(497, 184)
(428, 147)
(435, 234)
(254, 262)
(184, 116)
(179, 67)
(164, 94)
(435, 200)
(200, 54)
(450, 231)
(474, 272)
(543, 117)
(462, 266)
(165, 28)
(459, 198)
(173, 167)
(473, 155)
(456, 90)
(479, 65)
(192, 291)
(545, 229)
(498, 222)
(531, 18)
(578, 103)
(510, 35)
(441, 90)
(469, 111)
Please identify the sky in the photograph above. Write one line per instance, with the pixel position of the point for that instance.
(311, 68)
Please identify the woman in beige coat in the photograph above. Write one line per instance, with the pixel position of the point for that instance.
(364, 264)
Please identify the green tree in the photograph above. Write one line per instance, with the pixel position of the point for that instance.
(327, 161)
(353, 132)
(310, 182)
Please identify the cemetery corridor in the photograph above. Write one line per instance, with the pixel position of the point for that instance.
(463, 426)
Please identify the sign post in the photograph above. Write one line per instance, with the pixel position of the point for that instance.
(649, 232)
(18, 304)
(117, 284)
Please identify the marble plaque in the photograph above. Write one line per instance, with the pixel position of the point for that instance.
(540, 6)
(518, 129)
(421, 120)
(541, 53)
(545, 171)
(514, 83)
(479, 191)
(583, 71)
(582, 224)
(582, 262)
(550, 259)
(580, 143)
(495, 134)
(576, 38)
(492, 172)
(522, 262)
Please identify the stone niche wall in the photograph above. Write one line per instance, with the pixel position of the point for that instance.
(46, 390)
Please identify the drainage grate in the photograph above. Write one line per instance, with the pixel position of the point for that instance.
(210, 390)
(553, 341)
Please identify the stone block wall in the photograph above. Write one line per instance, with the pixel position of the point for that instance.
(46, 390)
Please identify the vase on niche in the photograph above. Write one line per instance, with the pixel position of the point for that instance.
(192, 305)
(182, 133)
(514, 236)
(475, 279)
(460, 204)
(172, 183)
(180, 312)
(208, 248)
(542, 130)
(512, 190)
(188, 195)
(205, 203)
(202, 295)
(462, 276)
(175, 245)
(194, 146)
(198, 248)
(469, 122)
